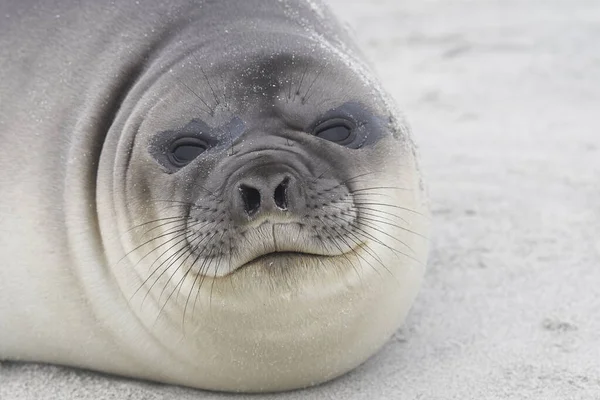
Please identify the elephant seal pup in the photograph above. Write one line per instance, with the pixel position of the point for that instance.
(208, 193)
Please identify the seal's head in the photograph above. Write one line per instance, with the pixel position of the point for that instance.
(270, 210)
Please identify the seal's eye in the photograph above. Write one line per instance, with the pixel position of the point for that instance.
(336, 130)
(185, 150)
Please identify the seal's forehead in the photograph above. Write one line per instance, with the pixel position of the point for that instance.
(273, 77)
(291, 85)
(250, 74)
(260, 55)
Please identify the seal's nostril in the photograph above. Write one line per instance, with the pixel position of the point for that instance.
(280, 195)
(251, 199)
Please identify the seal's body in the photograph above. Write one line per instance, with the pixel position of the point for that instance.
(208, 193)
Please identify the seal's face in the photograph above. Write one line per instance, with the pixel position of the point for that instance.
(264, 189)
(275, 198)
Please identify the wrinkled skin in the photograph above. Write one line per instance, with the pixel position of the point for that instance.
(213, 194)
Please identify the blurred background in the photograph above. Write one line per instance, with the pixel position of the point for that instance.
(503, 97)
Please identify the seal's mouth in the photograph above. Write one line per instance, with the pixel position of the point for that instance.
(268, 259)
(271, 246)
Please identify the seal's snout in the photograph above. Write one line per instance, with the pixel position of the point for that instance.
(267, 191)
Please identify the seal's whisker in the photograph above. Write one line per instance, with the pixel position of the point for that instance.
(181, 281)
(380, 212)
(185, 203)
(355, 191)
(379, 242)
(187, 299)
(299, 88)
(164, 224)
(354, 253)
(170, 261)
(187, 249)
(349, 231)
(202, 276)
(369, 235)
(289, 96)
(167, 300)
(188, 203)
(209, 85)
(178, 230)
(322, 174)
(201, 273)
(357, 254)
(372, 251)
(187, 225)
(187, 207)
(376, 240)
(340, 248)
(368, 223)
(223, 85)
(206, 78)
(190, 253)
(360, 203)
(369, 213)
(197, 275)
(204, 267)
(370, 196)
(211, 111)
(147, 279)
(171, 206)
(382, 221)
(306, 95)
(231, 248)
(154, 270)
(183, 233)
(331, 188)
(365, 209)
(352, 179)
(179, 217)
(213, 280)
(369, 202)
(325, 100)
